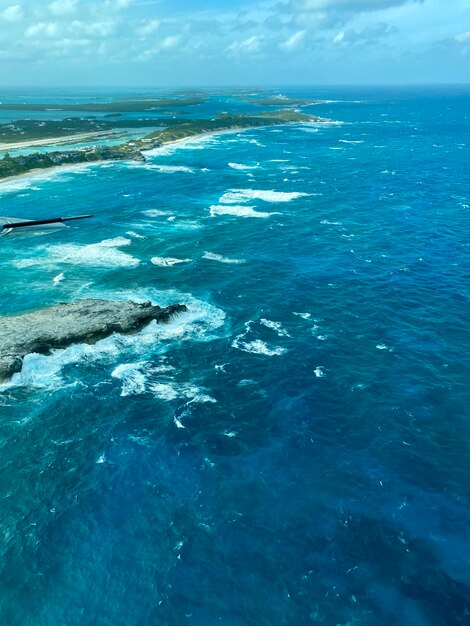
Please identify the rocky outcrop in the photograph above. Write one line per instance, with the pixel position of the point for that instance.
(59, 326)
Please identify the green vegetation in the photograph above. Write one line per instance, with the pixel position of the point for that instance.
(175, 130)
(130, 106)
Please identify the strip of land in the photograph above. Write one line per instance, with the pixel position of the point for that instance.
(80, 137)
(130, 106)
(134, 150)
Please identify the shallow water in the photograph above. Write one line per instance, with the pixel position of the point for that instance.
(294, 449)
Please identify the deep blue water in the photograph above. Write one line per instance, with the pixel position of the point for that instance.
(296, 448)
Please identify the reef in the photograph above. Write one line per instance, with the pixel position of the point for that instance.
(61, 325)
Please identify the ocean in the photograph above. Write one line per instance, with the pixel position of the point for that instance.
(293, 450)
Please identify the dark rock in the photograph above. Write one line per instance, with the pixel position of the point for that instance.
(59, 326)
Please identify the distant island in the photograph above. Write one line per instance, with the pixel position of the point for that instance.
(172, 130)
(128, 106)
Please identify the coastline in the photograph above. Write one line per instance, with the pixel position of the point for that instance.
(73, 166)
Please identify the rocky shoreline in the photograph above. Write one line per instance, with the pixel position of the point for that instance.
(83, 321)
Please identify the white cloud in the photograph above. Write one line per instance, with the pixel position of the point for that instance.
(211, 42)
(147, 28)
(103, 28)
(170, 42)
(463, 37)
(62, 7)
(251, 45)
(293, 42)
(349, 5)
(42, 29)
(13, 13)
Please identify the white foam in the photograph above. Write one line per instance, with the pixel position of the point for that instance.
(170, 169)
(196, 143)
(102, 254)
(169, 391)
(200, 323)
(238, 210)
(241, 166)
(235, 196)
(131, 233)
(211, 256)
(154, 213)
(58, 174)
(350, 141)
(133, 379)
(258, 347)
(331, 223)
(167, 261)
(304, 316)
(58, 279)
(276, 326)
(319, 373)
(382, 346)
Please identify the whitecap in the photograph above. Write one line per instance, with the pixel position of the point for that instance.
(131, 233)
(102, 254)
(57, 174)
(194, 143)
(239, 211)
(169, 391)
(235, 196)
(154, 213)
(132, 377)
(241, 166)
(276, 326)
(171, 169)
(304, 316)
(258, 347)
(211, 256)
(319, 373)
(382, 346)
(58, 279)
(167, 261)
(351, 141)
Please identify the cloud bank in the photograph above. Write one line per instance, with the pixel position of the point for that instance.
(146, 42)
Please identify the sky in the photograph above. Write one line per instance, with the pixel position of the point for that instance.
(169, 43)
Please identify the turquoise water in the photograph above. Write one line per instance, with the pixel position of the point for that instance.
(296, 448)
